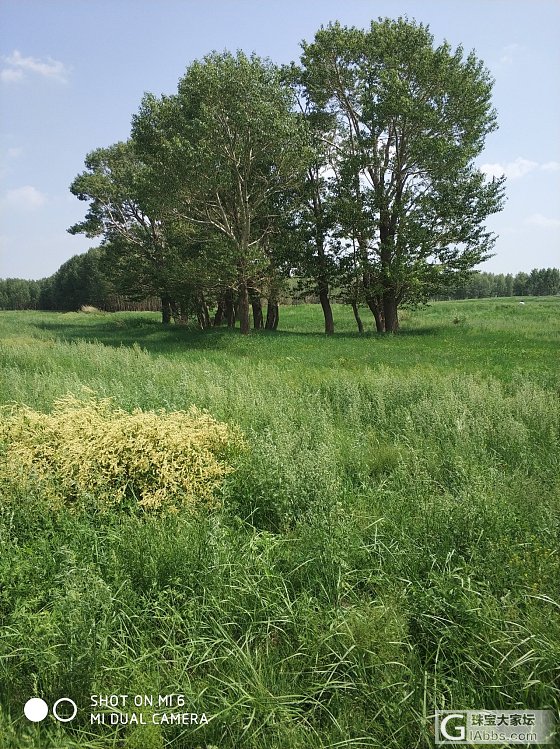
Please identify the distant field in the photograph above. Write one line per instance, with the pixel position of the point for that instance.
(387, 544)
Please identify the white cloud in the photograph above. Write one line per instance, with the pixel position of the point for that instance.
(19, 66)
(513, 169)
(551, 166)
(537, 219)
(24, 198)
(518, 168)
(11, 75)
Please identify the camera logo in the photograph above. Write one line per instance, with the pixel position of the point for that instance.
(36, 710)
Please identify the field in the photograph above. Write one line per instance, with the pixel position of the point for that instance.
(387, 544)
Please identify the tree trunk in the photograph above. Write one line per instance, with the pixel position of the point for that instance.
(379, 320)
(357, 317)
(230, 308)
(373, 300)
(390, 312)
(322, 278)
(326, 305)
(256, 304)
(166, 309)
(220, 312)
(179, 311)
(272, 314)
(387, 245)
(374, 303)
(203, 314)
(243, 309)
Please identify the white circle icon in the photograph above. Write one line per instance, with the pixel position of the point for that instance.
(36, 709)
(58, 702)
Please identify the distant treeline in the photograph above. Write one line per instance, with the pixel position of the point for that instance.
(480, 285)
(82, 280)
(86, 280)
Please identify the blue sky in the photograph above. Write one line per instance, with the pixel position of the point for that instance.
(72, 73)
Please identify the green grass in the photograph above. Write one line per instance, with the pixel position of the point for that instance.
(387, 546)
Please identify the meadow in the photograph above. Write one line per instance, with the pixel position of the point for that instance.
(386, 546)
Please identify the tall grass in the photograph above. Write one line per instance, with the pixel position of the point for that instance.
(387, 546)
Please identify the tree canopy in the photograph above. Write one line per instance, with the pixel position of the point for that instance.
(411, 118)
(353, 169)
(235, 151)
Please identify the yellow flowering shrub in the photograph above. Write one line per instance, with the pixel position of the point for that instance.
(87, 450)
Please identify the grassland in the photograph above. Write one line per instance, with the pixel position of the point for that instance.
(387, 546)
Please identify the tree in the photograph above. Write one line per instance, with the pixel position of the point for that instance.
(552, 281)
(521, 284)
(81, 280)
(509, 285)
(15, 294)
(228, 147)
(411, 120)
(543, 282)
(147, 251)
(500, 287)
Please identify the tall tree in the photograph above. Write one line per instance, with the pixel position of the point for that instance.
(229, 145)
(412, 119)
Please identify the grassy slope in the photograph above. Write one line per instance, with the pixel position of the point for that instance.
(387, 547)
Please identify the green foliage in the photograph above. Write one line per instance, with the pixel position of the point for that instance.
(357, 169)
(411, 118)
(125, 210)
(87, 452)
(81, 280)
(479, 285)
(230, 152)
(17, 293)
